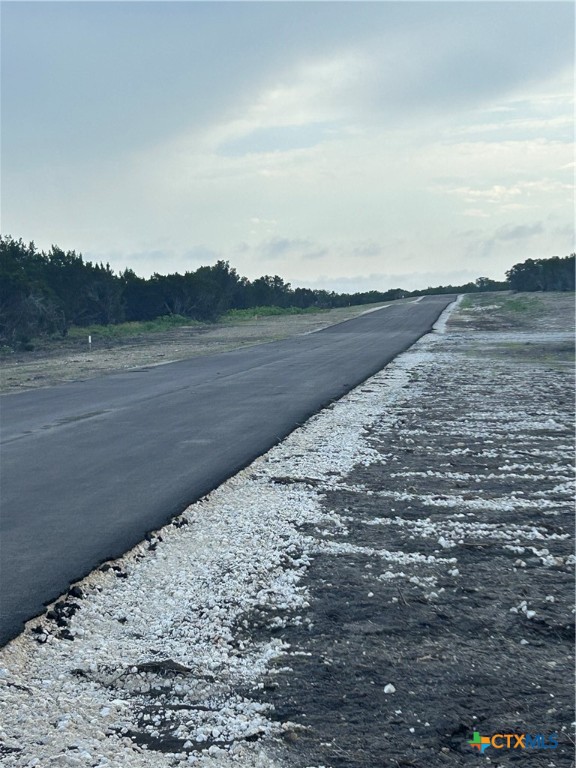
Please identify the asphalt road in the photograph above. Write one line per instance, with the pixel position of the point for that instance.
(88, 468)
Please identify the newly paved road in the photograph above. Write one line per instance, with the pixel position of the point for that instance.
(87, 468)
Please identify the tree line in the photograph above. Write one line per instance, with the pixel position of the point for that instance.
(555, 274)
(45, 293)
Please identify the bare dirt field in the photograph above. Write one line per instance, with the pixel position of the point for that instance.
(476, 465)
(71, 359)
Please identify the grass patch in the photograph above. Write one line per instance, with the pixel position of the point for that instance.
(562, 351)
(234, 315)
(505, 306)
(554, 353)
(516, 304)
(523, 305)
(541, 312)
(472, 300)
(134, 328)
(109, 334)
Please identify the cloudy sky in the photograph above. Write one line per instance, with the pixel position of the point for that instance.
(346, 145)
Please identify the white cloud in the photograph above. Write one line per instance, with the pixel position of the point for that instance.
(476, 213)
(289, 248)
(520, 232)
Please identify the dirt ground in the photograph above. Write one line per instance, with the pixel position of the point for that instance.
(71, 359)
(476, 466)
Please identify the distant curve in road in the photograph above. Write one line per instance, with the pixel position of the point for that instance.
(88, 468)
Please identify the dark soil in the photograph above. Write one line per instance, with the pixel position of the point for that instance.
(459, 658)
(456, 664)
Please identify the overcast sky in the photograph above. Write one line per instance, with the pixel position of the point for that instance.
(343, 145)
